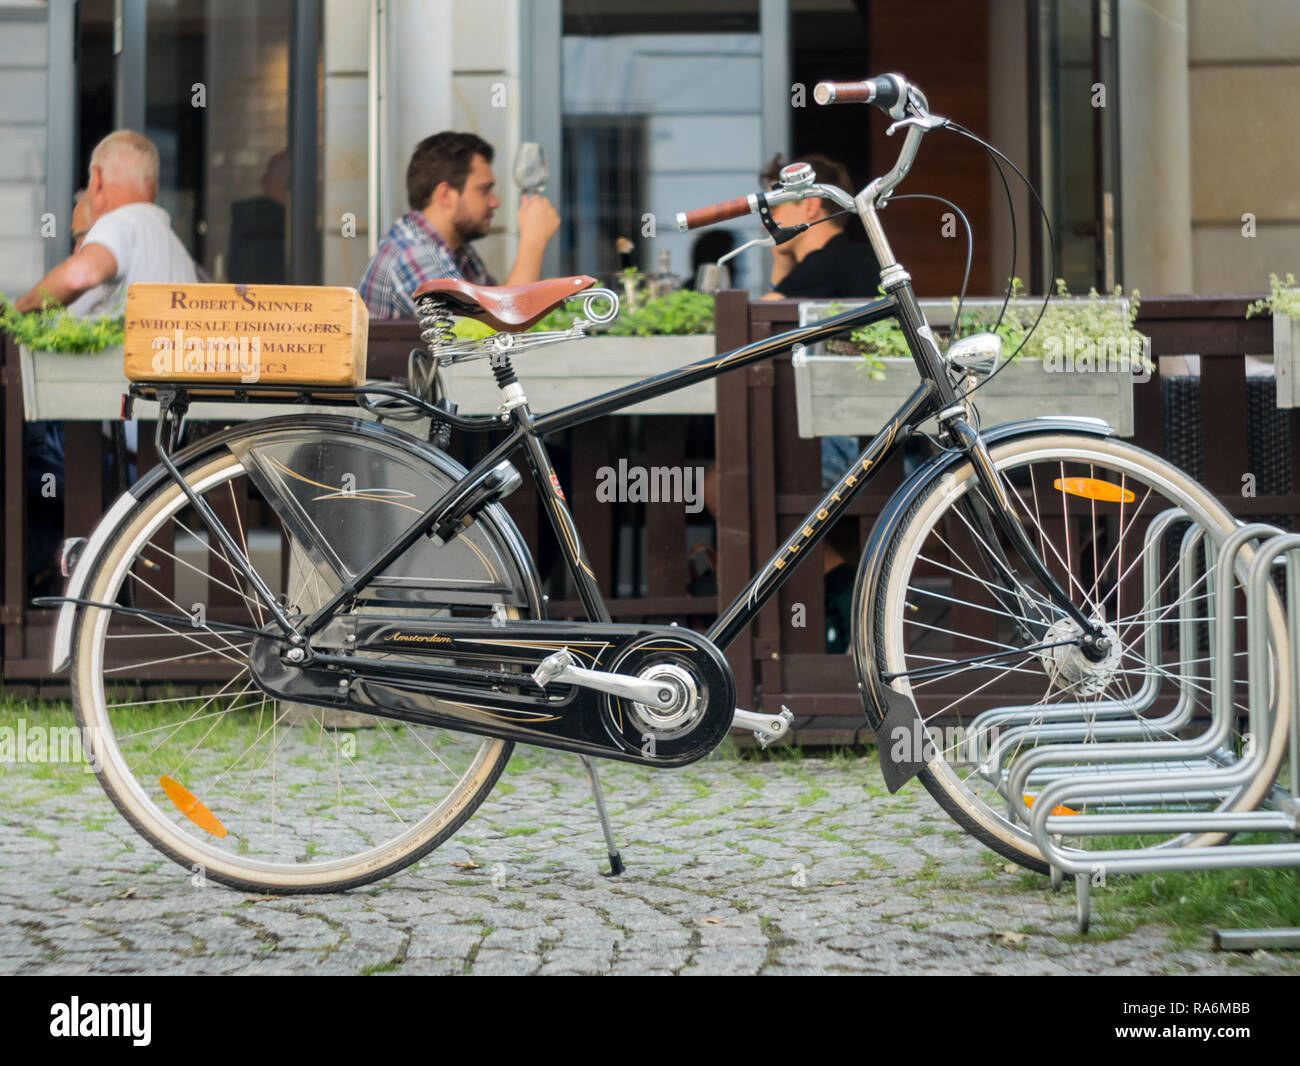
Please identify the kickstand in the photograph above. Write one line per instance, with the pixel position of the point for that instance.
(615, 860)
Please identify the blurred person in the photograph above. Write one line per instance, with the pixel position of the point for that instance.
(257, 229)
(120, 237)
(449, 184)
(130, 238)
(821, 263)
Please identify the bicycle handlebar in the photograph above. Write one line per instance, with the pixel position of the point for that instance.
(894, 95)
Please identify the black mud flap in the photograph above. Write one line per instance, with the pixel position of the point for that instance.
(903, 741)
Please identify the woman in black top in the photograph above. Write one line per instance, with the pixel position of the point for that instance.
(821, 263)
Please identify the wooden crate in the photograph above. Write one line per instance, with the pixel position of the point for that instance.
(245, 334)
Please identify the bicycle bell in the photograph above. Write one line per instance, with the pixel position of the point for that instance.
(796, 175)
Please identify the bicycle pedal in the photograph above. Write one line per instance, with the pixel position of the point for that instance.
(765, 727)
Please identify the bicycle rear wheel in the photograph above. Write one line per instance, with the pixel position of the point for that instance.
(235, 786)
(948, 635)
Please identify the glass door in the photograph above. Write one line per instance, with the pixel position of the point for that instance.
(224, 88)
(1077, 134)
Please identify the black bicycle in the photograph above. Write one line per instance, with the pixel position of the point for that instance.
(375, 637)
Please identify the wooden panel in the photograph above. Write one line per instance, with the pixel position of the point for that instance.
(665, 522)
(950, 62)
(731, 317)
(593, 517)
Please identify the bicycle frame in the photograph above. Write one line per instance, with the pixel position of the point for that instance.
(934, 396)
(527, 430)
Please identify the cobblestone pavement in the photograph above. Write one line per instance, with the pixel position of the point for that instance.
(735, 867)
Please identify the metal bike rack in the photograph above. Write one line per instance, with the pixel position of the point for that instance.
(1120, 761)
(1156, 777)
(1046, 730)
(1080, 711)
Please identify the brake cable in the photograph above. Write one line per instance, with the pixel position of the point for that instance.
(1051, 242)
(970, 248)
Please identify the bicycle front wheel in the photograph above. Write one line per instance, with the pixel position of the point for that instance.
(996, 671)
(236, 786)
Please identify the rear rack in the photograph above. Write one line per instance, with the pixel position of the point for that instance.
(182, 394)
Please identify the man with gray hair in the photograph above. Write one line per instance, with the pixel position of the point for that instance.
(130, 237)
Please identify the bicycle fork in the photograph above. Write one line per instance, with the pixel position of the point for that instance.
(1095, 645)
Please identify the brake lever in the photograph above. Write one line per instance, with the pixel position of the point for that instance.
(925, 123)
(757, 242)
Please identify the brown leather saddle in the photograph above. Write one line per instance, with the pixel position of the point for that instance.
(510, 308)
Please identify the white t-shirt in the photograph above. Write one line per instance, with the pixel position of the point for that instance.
(141, 239)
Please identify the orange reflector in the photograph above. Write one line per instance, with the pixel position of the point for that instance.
(188, 804)
(1092, 489)
(1029, 802)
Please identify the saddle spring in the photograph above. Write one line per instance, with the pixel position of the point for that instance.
(435, 324)
(422, 370)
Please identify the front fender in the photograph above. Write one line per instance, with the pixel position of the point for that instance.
(379, 443)
(886, 709)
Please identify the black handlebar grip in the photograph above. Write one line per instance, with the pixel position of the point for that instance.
(887, 90)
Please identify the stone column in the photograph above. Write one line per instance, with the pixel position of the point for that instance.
(1155, 145)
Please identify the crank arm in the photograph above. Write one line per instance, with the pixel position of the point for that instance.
(766, 727)
(562, 667)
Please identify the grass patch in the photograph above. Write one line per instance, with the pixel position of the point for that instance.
(1196, 901)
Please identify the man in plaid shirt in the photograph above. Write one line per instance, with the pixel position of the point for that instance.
(449, 185)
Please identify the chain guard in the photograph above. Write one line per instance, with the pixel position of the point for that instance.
(475, 677)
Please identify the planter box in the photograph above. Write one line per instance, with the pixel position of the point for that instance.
(80, 387)
(1286, 350)
(834, 396)
(59, 387)
(562, 374)
(76, 387)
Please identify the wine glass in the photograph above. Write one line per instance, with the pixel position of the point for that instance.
(711, 277)
(531, 170)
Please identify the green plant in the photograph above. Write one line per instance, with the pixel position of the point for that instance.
(54, 329)
(681, 313)
(1284, 298)
(1065, 323)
